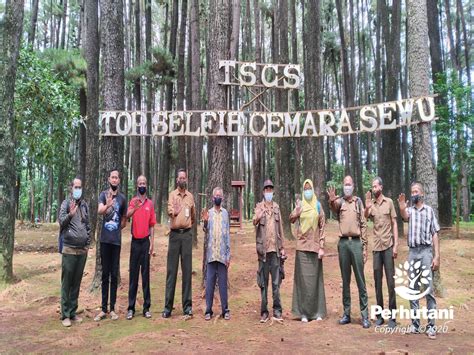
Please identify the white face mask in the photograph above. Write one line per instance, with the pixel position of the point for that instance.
(268, 196)
(348, 191)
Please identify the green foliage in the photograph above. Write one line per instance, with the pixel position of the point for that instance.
(455, 118)
(160, 70)
(47, 118)
(68, 65)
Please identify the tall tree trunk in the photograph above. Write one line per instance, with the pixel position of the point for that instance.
(419, 85)
(63, 28)
(166, 155)
(195, 163)
(91, 177)
(150, 95)
(11, 27)
(137, 95)
(82, 133)
(442, 131)
(34, 21)
(180, 79)
(112, 92)
(219, 33)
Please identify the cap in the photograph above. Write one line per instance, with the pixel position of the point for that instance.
(268, 183)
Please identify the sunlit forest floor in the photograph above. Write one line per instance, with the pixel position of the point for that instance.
(29, 309)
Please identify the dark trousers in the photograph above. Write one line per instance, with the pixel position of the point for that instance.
(110, 258)
(179, 245)
(350, 256)
(384, 260)
(271, 266)
(139, 261)
(217, 270)
(72, 268)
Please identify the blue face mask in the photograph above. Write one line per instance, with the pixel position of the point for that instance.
(268, 196)
(218, 200)
(77, 194)
(308, 194)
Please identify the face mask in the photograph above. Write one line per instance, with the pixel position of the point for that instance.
(77, 194)
(377, 193)
(268, 196)
(348, 190)
(217, 201)
(142, 190)
(308, 194)
(114, 188)
(182, 185)
(416, 198)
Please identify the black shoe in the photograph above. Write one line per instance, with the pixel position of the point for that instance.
(379, 321)
(166, 314)
(392, 323)
(365, 323)
(264, 317)
(345, 319)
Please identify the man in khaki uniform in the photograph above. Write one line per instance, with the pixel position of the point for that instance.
(269, 238)
(352, 247)
(382, 212)
(181, 212)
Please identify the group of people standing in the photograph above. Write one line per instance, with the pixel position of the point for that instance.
(308, 216)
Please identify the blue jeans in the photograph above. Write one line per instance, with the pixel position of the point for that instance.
(216, 270)
(425, 255)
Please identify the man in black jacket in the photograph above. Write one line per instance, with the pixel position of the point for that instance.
(75, 234)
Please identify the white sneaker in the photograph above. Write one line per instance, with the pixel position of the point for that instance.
(304, 319)
(113, 315)
(319, 319)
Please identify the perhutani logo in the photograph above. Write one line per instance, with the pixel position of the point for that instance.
(411, 276)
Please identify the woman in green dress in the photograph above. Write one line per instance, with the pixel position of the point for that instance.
(309, 300)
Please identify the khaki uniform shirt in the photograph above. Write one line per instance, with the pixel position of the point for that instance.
(186, 217)
(312, 240)
(273, 222)
(381, 214)
(352, 222)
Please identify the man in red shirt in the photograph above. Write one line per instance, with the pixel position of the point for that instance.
(143, 221)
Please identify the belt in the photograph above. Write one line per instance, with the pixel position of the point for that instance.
(349, 237)
(181, 230)
(140, 239)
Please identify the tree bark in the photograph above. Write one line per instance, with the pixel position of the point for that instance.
(419, 85)
(219, 33)
(11, 25)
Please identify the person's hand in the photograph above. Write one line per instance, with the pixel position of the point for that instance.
(321, 253)
(136, 204)
(435, 263)
(298, 207)
(258, 212)
(364, 254)
(402, 202)
(177, 207)
(368, 200)
(227, 264)
(152, 250)
(110, 200)
(282, 252)
(332, 193)
(72, 208)
(205, 214)
(395, 251)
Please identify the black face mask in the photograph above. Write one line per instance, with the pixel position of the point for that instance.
(114, 188)
(182, 184)
(142, 190)
(416, 198)
(217, 201)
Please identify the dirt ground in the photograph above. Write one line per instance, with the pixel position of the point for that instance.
(29, 309)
